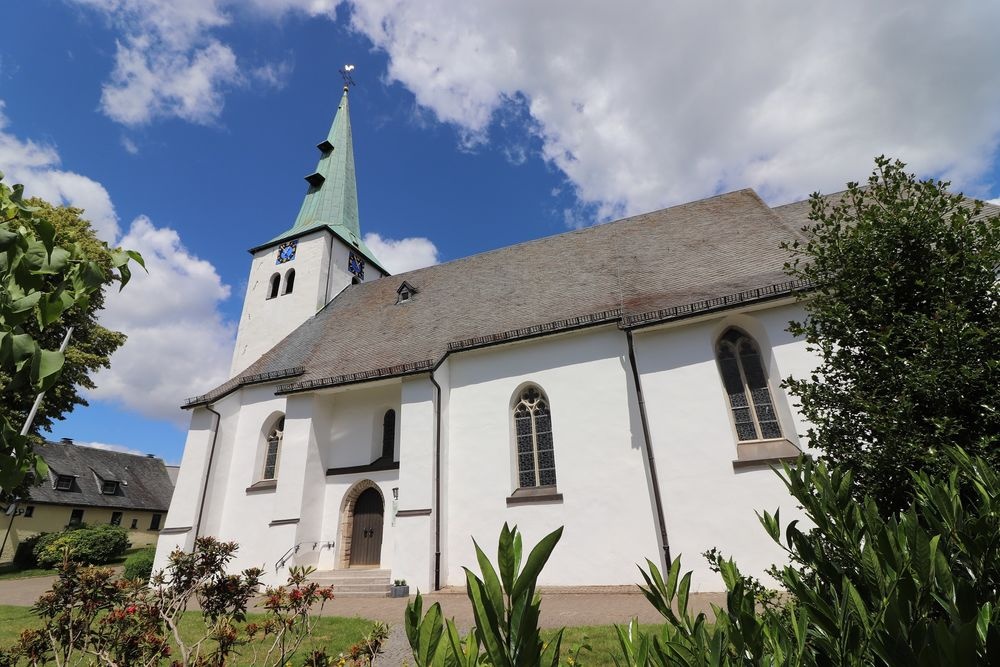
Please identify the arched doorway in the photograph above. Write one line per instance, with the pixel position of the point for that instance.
(366, 530)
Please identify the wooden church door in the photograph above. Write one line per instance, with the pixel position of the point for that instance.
(366, 536)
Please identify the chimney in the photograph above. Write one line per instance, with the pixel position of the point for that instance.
(66, 441)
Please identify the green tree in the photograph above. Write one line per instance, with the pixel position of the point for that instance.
(91, 344)
(904, 312)
(40, 283)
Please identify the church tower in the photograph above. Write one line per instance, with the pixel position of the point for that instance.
(296, 273)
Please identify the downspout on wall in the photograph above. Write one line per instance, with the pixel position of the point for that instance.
(437, 477)
(208, 470)
(657, 500)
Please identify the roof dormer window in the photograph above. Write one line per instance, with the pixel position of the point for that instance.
(64, 482)
(109, 487)
(405, 292)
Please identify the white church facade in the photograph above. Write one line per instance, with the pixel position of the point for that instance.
(622, 381)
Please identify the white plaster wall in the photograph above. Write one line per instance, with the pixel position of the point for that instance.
(266, 321)
(707, 503)
(347, 427)
(348, 423)
(413, 559)
(600, 464)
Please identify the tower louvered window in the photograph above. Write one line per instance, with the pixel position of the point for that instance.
(746, 385)
(536, 465)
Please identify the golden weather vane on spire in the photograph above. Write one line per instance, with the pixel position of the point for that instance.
(345, 72)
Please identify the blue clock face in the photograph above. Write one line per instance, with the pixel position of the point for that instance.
(356, 265)
(286, 251)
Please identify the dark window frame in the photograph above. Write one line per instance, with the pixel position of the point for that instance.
(155, 521)
(64, 482)
(75, 517)
(116, 518)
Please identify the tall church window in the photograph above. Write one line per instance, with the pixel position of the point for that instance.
(272, 449)
(746, 385)
(389, 434)
(289, 281)
(272, 289)
(536, 464)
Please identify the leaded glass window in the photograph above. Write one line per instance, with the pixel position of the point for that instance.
(271, 451)
(746, 385)
(536, 464)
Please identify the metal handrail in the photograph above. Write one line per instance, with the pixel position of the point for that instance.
(280, 563)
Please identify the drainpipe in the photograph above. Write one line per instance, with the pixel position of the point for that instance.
(649, 447)
(208, 470)
(437, 478)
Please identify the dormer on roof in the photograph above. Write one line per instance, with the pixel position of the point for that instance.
(405, 292)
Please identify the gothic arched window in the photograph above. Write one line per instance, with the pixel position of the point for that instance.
(289, 281)
(272, 448)
(746, 384)
(536, 463)
(389, 434)
(272, 290)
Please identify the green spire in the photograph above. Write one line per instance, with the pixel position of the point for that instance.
(332, 198)
(333, 191)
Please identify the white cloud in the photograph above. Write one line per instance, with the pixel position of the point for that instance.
(37, 167)
(642, 104)
(399, 256)
(149, 83)
(130, 146)
(995, 202)
(179, 344)
(109, 447)
(170, 64)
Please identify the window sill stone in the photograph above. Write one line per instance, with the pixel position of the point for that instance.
(538, 494)
(765, 453)
(263, 485)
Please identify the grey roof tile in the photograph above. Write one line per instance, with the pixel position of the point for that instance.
(145, 482)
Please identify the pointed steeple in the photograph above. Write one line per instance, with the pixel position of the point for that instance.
(333, 191)
(332, 198)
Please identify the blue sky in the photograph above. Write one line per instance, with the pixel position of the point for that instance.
(184, 127)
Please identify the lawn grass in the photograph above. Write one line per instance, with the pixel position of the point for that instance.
(332, 633)
(602, 640)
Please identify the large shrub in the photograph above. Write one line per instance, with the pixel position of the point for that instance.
(917, 588)
(140, 565)
(95, 545)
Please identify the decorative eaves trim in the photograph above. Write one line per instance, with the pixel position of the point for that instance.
(718, 303)
(242, 381)
(579, 322)
(355, 378)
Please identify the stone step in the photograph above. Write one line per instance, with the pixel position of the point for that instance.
(355, 582)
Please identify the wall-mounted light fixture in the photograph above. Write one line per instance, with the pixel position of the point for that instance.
(395, 493)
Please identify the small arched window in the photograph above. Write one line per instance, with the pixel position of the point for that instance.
(272, 289)
(536, 463)
(389, 434)
(272, 449)
(746, 384)
(289, 281)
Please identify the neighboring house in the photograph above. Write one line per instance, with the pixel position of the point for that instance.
(622, 381)
(91, 486)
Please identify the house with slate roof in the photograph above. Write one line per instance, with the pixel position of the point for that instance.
(88, 486)
(622, 381)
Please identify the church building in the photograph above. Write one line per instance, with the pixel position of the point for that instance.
(622, 381)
